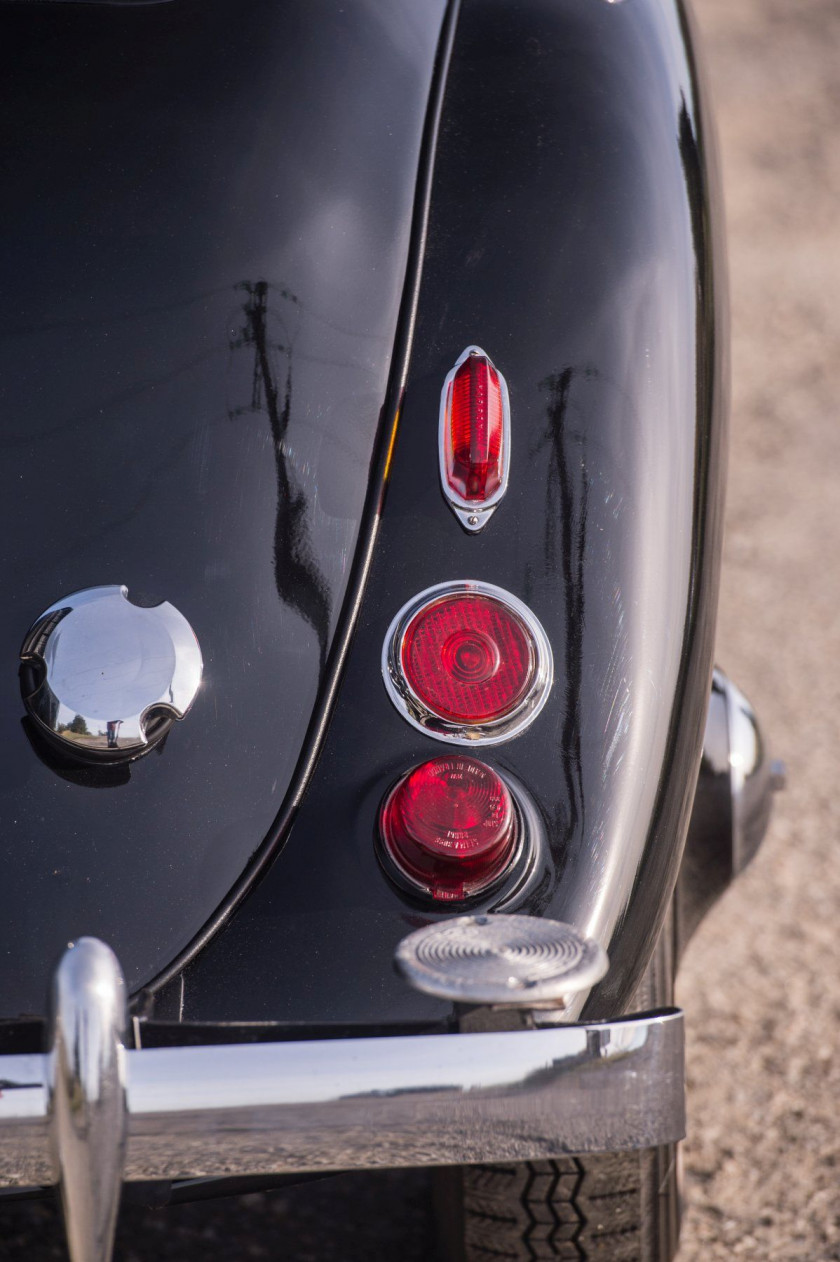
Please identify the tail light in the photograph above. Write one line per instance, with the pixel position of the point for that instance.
(467, 662)
(449, 828)
(474, 438)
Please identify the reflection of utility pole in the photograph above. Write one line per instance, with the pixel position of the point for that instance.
(299, 581)
(569, 480)
(255, 333)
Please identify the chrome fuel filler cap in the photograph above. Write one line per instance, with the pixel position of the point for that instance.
(105, 677)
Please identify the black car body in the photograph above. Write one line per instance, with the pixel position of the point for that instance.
(245, 245)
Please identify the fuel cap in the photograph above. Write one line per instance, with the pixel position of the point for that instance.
(513, 961)
(107, 677)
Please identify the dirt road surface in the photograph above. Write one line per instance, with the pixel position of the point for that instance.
(761, 983)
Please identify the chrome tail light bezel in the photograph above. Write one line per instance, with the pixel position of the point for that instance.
(418, 713)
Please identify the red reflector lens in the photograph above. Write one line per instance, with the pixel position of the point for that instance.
(474, 431)
(468, 657)
(449, 827)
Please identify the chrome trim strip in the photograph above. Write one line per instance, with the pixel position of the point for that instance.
(473, 517)
(412, 708)
(85, 1075)
(380, 1102)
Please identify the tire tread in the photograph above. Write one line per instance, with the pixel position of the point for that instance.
(580, 1209)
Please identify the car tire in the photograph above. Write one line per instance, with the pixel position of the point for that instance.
(605, 1207)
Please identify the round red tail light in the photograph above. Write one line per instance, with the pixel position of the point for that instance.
(468, 657)
(449, 827)
(467, 662)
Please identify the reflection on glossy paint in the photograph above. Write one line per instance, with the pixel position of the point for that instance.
(299, 581)
(566, 505)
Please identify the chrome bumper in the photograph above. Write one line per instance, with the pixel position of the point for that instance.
(89, 1113)
(358, 1103)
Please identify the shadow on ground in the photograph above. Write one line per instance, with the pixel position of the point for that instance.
(360, 1217)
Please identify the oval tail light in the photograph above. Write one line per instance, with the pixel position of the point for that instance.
(448, 828)
(467, 662)
(474, 438)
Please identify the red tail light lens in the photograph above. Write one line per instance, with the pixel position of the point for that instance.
(468, 662)
(474, 430)
(474, 437)
(449, 827)
(468, 657)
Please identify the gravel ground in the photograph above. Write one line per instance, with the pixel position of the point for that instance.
(762, 974)
(760, 981)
